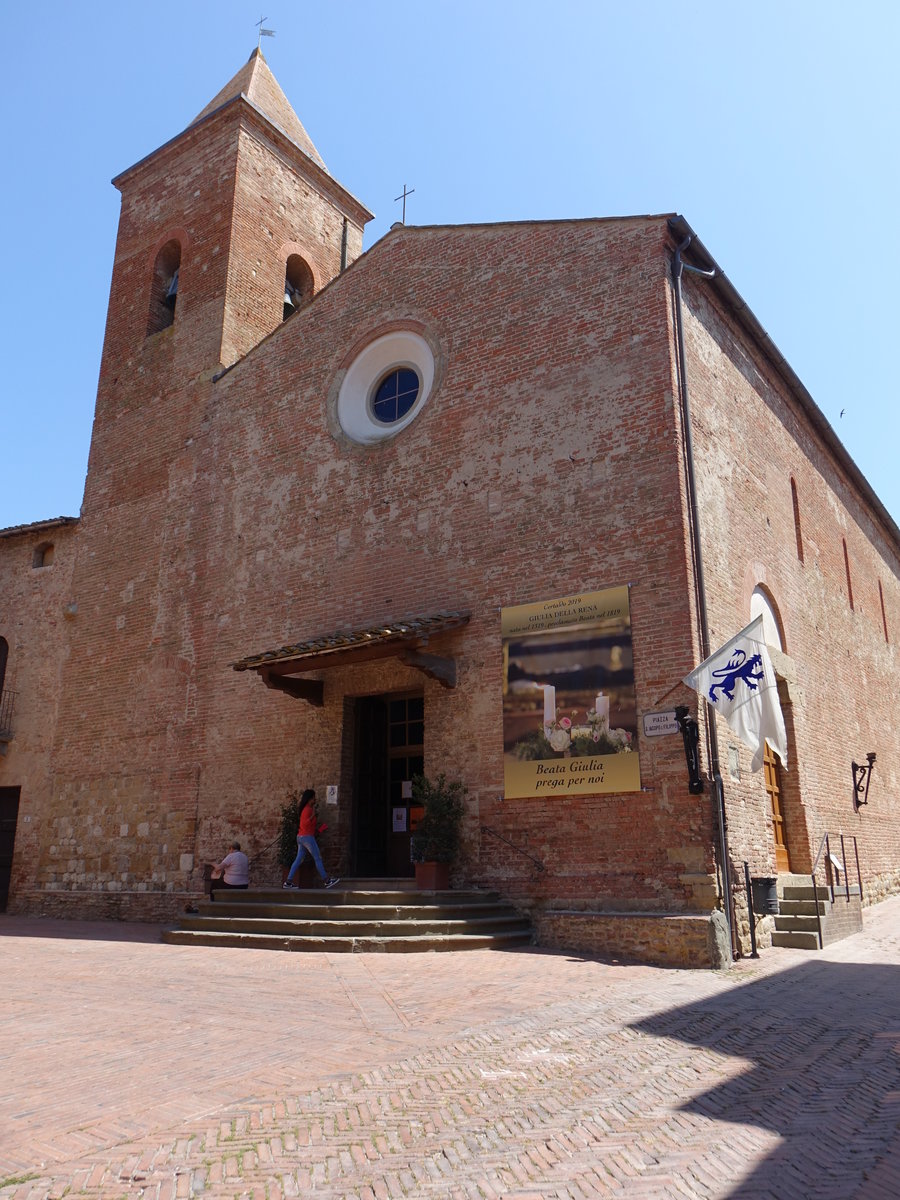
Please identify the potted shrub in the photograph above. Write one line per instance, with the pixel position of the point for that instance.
(435, 842)
(287, 833)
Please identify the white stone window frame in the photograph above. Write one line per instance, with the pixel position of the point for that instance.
(401, 348)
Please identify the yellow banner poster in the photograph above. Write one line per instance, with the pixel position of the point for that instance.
(569, 706)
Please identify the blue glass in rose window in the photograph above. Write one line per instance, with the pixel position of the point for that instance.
(395, 395)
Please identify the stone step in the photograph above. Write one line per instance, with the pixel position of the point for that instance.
(797, 924)
(345, 945)
(346, 894)
(805, 892)
(799, 941)
(801, 908)
(351, 919)
(354, 912)
(340, 928)
(381, 883)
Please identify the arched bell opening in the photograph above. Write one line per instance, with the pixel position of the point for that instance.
(164, 287)
(299, 285)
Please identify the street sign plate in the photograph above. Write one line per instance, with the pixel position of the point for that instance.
(657, 724)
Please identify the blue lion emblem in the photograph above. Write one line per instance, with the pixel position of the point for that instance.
(739, 667)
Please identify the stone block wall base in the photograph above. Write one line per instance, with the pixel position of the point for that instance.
(660, 939)
(879, 887)
(155, 907)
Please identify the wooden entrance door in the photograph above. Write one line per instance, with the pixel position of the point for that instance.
(406, 733)
(389, 734)
(773, 789)
(9, 812)
(370, 787)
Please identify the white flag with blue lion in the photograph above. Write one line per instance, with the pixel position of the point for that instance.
(739, 682)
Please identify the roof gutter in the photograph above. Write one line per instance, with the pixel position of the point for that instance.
(38, 526)
(679, 266)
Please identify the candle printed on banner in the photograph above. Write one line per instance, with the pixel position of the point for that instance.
(569, 706)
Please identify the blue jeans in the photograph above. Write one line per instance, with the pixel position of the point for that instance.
(307, 845)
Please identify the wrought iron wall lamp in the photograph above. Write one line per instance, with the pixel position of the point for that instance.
(862, 777)
(690, 735)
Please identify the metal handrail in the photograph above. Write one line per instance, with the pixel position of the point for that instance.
(819, 855)
(493, 832)
(822, 846)
(825, 845)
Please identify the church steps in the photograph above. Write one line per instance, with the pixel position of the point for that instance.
(335, 944)
(347, 920)
(352, 912)
(350, 894)
(807, 915)
(360, 928)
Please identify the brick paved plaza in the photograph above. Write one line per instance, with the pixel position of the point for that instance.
(132, 1068)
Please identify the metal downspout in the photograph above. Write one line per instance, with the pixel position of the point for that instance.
(712, 740)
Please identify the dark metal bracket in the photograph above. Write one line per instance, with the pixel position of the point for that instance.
(311, 690)
(862, 777)
(433, 665)
(690, 735)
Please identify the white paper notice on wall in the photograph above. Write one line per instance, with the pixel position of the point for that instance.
(399, 823)
(331, 794)
(406, 789)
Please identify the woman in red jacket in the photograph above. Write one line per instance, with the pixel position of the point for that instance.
(306, 842)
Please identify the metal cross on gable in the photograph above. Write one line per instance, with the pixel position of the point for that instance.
(402, 197)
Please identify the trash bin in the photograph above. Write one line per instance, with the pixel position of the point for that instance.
(765, 895)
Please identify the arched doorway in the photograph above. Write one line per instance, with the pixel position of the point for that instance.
(762, 604)
(6, 698)
(772, 773)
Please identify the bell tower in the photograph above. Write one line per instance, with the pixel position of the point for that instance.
(224, 226)
(223, 231)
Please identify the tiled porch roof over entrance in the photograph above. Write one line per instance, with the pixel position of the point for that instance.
(404, 639)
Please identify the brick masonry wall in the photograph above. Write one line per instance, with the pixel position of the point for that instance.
(842, 919)
(542, 465)
(35, 620)
(548, 338)
(841, 662)
(278, 210)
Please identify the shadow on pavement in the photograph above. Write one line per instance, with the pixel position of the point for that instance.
(824, 1041)
(79, 931)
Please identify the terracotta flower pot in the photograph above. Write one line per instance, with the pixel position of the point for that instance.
(432, 876)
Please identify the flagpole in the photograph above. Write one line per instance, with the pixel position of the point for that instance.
(712, 740)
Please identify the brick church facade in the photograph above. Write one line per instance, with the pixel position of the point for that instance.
(275, 583)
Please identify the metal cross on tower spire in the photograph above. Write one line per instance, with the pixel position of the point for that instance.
(263, 32)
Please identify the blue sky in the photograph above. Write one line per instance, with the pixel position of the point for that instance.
(771, 126)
